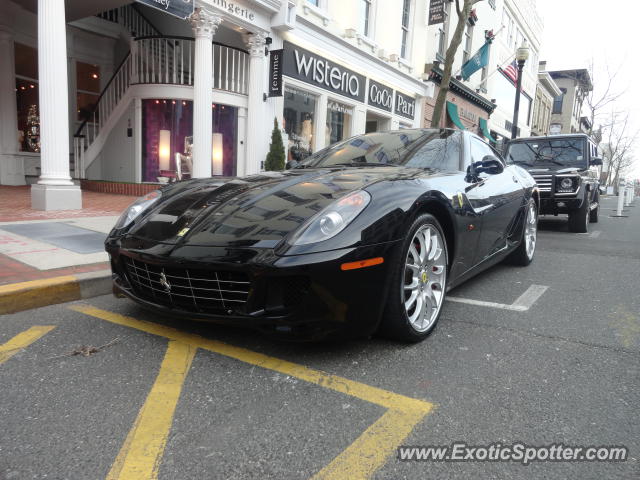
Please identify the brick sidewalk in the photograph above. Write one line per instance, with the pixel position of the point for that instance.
(15, 206)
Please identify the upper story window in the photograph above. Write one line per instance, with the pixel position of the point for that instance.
(364, 17)
(533, 62)
(468, 40)
(557, 101)
(315, 3)
(406, 15)
(442, 32)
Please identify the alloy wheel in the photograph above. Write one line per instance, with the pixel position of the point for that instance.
(424, 278)
(531, 231)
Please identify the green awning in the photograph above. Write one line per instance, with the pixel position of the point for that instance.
(452, 110)
(484, 128)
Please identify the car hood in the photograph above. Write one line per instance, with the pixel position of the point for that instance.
(256, 211)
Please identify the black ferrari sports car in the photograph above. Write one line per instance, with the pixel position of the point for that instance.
(366, 235)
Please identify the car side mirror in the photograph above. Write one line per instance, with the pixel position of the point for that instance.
(489, 164)
(596, 161)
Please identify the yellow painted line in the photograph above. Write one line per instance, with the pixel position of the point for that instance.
(16, 297)
(369, 451)
(372, 449)
(45, 282)
(22, 340)
(140, 456)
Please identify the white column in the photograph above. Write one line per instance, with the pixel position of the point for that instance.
(255, 104)
(54, 190)
(204, 25)
(320, 126)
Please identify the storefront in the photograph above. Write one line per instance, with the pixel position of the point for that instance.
(326, 102)
(167, 138)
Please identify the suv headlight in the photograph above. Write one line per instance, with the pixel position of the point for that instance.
(333, 219)
(136, 208)
(566, 184)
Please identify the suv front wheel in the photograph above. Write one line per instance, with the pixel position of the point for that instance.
(579, 219)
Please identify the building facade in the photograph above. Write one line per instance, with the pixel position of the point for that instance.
(574, 85)
(121, 91)
(145, 96)
(546, 91)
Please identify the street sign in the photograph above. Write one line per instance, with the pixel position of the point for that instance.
(178, 8)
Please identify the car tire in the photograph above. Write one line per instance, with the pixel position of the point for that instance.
(524, 253)
(593, 214)
(579, 219)
(412, 312)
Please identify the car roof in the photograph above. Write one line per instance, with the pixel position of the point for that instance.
(553, 137)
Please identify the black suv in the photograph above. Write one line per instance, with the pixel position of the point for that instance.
(561, 166)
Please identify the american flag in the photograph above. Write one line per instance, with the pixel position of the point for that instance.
(511, 71)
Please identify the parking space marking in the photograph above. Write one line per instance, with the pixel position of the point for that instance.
(22, 340)
(364, 456)
(529, 297)
(367, 453)
(142, 451)
(523, 303)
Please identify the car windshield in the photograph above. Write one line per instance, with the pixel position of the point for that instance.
(418, 148)
(552, 154)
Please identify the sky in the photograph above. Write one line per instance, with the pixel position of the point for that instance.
(577, 31)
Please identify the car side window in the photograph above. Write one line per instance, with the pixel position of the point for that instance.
(479, 150)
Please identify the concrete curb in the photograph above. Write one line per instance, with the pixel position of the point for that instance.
(17, 297)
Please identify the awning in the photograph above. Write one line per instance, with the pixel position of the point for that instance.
(452, 110)
(484, 128)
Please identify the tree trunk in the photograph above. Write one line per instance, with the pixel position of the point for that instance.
(448, 61)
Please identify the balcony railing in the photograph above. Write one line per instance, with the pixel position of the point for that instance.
(170, 60)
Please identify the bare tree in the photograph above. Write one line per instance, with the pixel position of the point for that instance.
(463, 15)
(597, 99)
(618, 145)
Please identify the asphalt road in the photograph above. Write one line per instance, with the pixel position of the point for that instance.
(567, 370)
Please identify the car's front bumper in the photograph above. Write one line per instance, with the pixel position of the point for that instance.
(303, 297)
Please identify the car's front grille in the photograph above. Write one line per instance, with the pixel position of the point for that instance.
(197, 290)
(545, 182)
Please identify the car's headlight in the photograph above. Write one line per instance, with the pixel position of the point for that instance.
(333, 219)
(567, 184)
(136, 208)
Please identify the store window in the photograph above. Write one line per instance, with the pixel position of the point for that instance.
(26, 65)
(299, 115)
(338, 121)
(167, 138)
(88, 90)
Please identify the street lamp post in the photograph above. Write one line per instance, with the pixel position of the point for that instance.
(522, 54)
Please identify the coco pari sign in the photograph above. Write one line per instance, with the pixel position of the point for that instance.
(405, 106)
(310, 68)
(380, 96)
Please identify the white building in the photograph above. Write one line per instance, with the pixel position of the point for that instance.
(127, 93)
